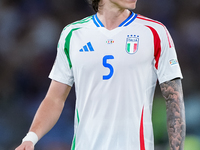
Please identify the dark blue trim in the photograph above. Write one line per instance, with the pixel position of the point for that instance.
(131, 20)
(101, 24)
(126, 19)
(95, 21)
(126, 22)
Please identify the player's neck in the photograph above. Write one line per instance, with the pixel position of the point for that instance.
(112, 18)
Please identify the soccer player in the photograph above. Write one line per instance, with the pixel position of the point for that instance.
(114, 58)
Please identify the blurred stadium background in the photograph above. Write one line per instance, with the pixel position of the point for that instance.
(29, 31)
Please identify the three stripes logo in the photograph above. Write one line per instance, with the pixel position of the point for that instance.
(87, 48)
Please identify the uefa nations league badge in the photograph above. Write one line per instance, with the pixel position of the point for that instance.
(132, 43)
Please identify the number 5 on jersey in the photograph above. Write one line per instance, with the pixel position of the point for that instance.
(109, 66)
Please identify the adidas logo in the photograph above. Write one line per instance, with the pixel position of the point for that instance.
(87, 48)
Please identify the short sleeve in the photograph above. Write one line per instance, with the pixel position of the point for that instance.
(168, 65)
(61, 70)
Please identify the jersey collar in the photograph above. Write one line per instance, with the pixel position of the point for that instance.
(125, 23)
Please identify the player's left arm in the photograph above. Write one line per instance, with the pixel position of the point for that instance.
(173, 94)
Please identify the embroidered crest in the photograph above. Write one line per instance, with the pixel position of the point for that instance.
(132, 43)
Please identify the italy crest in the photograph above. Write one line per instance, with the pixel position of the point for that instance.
(132, 43)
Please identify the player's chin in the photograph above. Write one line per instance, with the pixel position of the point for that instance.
(132, 6)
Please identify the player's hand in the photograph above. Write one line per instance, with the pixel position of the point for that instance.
(27, 145)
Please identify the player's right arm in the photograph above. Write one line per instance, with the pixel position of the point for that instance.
(48, 113)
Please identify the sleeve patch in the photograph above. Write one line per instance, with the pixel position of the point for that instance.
(173, 62)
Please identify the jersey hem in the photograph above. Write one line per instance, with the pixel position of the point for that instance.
(170, 77)
(58, 79)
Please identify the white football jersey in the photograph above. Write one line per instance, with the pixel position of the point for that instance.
(115, 73)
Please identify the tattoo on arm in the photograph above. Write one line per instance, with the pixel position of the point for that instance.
(172, 92)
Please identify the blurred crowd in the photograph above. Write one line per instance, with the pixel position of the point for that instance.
(29, 32)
